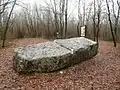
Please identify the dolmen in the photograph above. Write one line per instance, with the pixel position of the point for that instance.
(53, 55)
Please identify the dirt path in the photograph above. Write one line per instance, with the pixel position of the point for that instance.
(100, 73)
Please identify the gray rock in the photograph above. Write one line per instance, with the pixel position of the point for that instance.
(82, 48)
(55, 55)
(43, 57)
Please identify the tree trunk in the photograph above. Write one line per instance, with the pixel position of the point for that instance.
(110, 22)
(94, 23)
(66, 13)
(7, 24)
(78, 25)
(99, 2)
(116, 20)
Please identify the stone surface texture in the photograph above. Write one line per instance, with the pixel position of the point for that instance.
(54, 55)
(81, 48)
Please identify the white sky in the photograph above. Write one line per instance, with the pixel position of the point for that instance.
(34, 1)
(72, 9)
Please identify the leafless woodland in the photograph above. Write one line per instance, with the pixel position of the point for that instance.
(38, 23)
(55, 21)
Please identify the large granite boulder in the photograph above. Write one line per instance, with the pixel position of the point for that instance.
(43, 57)
(81, 48)
(54, 55)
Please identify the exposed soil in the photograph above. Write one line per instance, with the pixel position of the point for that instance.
(99, 73)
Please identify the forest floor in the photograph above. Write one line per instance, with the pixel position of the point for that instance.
(99, 73)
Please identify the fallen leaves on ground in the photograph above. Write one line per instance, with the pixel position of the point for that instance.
(99, 73)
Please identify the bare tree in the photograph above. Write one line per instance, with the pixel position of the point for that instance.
(116, 16)
(43, 21)
(79, 18)
(7, 23)
(99, 2)
(62, 9)
(54, 8)
(89, 13)
(110, 22)
(66, 14)
(94, 22)
(0, 11)
(84, 12)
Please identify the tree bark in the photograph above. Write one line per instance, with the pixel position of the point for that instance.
(110, 22)
(66, 14)
(94, 23)
(78, 25)
(98, 22)
(7, 24)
